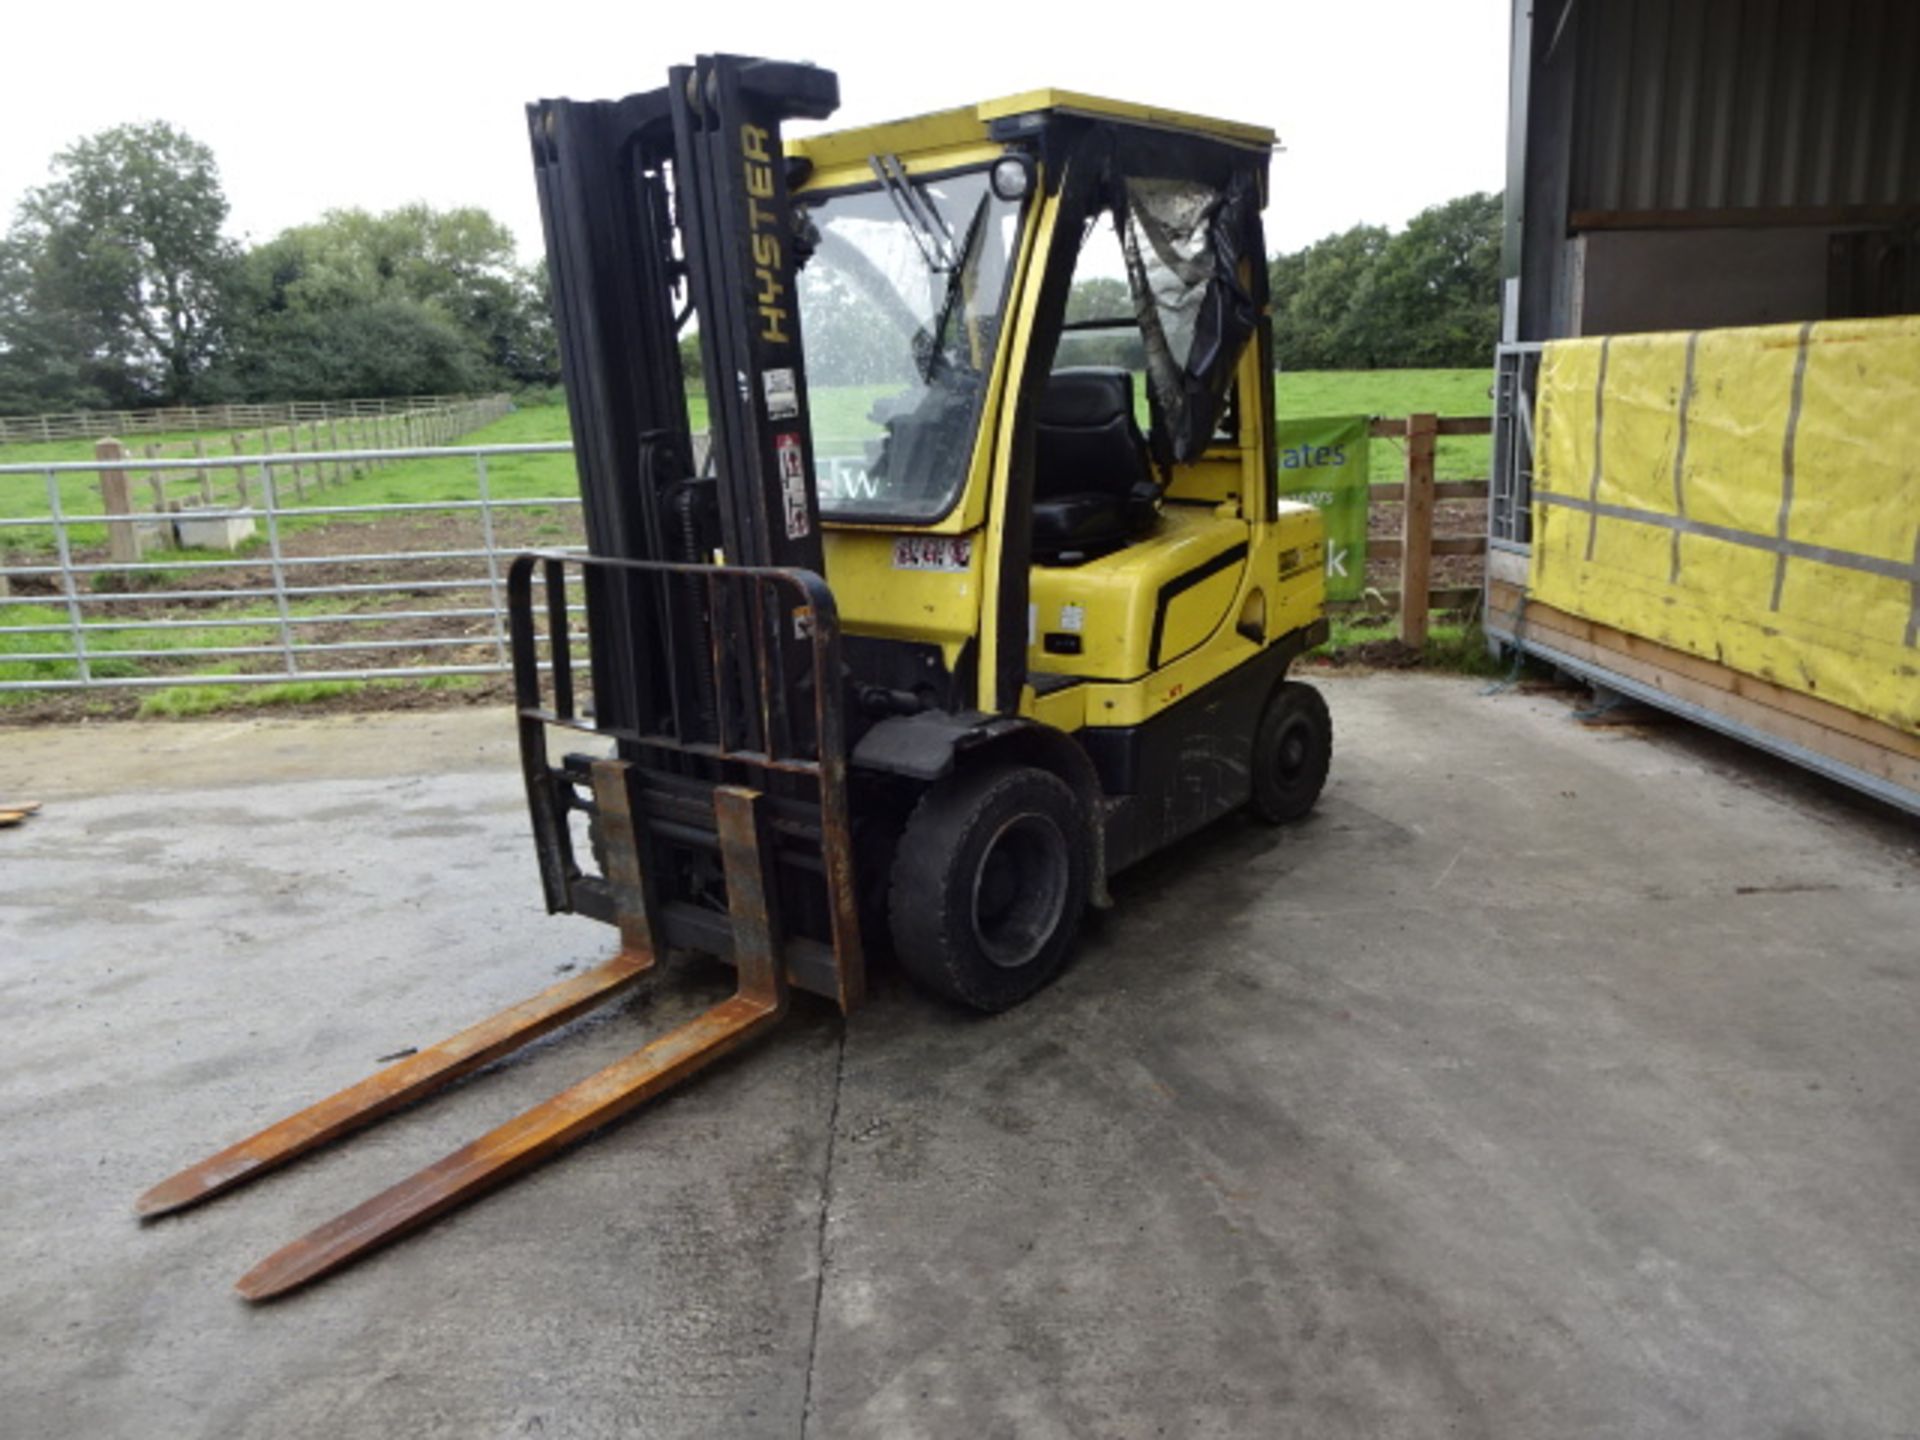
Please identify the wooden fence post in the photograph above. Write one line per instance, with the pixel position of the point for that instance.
(206, 482)
(156, 479)
(293, 444)
(123, 539)
(239, 472)
(1416, 536)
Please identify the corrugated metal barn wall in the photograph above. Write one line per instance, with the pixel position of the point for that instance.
(1744, 104)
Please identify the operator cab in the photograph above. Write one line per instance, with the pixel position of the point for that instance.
(1040, 393)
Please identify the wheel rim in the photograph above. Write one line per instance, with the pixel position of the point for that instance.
(1294, 753)
(1019, 890)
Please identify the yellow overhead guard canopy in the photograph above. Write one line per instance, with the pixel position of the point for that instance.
(967, 125)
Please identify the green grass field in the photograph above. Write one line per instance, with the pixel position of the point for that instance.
(1400, 392)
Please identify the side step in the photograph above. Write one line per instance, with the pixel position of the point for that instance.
(759, 1001)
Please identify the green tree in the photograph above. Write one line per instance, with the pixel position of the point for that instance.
(1102, 297)
(1099, 297)
(117, 270)
(1317, 327)
(1368, 299)
(382, 347)
(41, 357)
(442, 286)
(1433, 298)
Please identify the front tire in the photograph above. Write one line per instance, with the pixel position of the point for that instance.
(988, 885)
(1292, 751)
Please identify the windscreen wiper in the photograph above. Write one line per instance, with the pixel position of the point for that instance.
(923, 219)
(956, 282)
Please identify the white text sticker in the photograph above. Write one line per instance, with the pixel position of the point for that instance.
(783, 400)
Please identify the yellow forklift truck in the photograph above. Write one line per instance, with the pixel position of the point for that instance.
(981, 592)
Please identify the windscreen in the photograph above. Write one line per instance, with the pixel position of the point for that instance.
(901, 303)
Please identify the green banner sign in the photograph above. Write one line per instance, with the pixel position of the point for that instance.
(1324, 462)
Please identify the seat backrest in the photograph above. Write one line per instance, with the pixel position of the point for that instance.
(1086, 440)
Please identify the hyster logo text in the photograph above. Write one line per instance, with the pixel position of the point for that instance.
(765, 228)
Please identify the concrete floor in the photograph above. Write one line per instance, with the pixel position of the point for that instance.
(1550, 1082)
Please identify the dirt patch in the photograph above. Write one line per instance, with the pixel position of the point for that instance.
(1387, 654)
(78, 707)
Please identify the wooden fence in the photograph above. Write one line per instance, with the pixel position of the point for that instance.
(1416, 544)
(440, 424)
(104, 424)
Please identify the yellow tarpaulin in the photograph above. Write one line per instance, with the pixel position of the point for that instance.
(1751, 496)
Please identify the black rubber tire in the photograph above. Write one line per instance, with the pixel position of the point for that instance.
(1292, 749)
(989, 884)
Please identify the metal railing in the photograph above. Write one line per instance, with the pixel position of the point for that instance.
(1516, 377)
(272, 605)
(99, 424)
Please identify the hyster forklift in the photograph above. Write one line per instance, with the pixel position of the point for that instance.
(974, 598)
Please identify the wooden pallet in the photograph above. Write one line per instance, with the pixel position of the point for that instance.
(1789, 718)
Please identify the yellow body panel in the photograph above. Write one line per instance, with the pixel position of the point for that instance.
(1291, 573)
(997, 440)
(1783, 541)
(1074, 102)
(1113, 607)
(912, 139)
(930, 141)
(879, 595)
(975, 151)
(1287, 565)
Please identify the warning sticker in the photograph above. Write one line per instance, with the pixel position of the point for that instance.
(793, 484)
(783, 397)
(1072, 617)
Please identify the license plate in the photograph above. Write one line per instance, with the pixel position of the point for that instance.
(933, 552)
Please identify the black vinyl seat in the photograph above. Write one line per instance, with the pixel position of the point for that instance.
(1093, 485)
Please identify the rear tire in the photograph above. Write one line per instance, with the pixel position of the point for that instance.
(988, 885)
(1292, 750)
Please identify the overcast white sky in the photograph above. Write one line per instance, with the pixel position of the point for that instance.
(1384, 106)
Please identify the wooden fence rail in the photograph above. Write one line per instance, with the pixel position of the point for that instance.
(104, 424)
(1416, 544)
(441, 424)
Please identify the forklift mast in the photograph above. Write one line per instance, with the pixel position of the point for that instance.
(659, 208)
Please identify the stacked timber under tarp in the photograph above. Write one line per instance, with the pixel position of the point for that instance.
(1727, 522)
